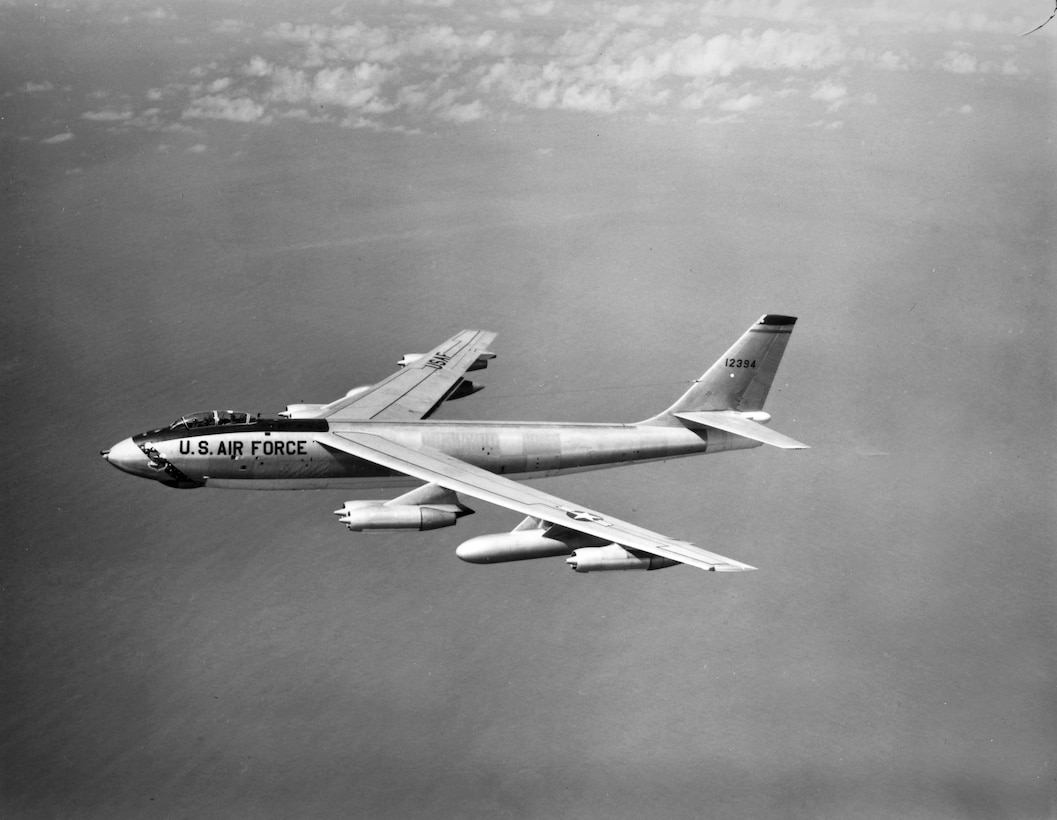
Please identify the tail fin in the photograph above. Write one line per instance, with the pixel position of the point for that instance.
(742, 378)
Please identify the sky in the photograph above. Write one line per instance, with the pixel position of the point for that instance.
(234, 205)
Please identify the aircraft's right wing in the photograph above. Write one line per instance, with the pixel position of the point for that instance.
(435, 467)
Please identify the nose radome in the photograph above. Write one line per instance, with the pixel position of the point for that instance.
(126, 456)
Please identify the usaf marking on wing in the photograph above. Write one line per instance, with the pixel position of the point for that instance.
(380, 436)
(584, 515)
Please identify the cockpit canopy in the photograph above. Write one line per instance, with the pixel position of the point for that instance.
(212, 418)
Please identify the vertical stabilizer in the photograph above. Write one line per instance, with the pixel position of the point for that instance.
(742, 378)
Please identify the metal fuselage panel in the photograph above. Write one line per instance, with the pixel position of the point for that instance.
(288, 456)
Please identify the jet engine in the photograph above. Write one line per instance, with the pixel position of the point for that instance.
(462, 389)
(312, 411)
(301, 411)
(598, 559)
(365, 516)
(429, 507)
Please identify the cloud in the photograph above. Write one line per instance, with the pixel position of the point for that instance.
(108, 115)
(961, 62)
(704, 94)
(30, 87)
(829, 91)
(63, 137)
(620, 62)
(302, 115)
(1010, 69)
(890, 61)
(218, 85)
(219, 107)
(596, 98)
(359, 87)
(602, 70)
(724, 120)
(772, 50)
(156, 14)
(452, 111)
(957, 62)
(742, 103)
(836, 94)
(228, 26)
(369, 124)
(257, 67)
(440, 63)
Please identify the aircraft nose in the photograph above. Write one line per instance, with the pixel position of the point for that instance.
(126, 456)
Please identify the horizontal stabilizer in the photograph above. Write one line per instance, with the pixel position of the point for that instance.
(731, 421)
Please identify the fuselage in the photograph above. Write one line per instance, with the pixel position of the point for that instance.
(284, 454)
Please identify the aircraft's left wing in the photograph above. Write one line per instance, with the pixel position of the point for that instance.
(439, 468)
(412, 392)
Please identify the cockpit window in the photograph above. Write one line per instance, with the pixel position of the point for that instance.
(211, 418)
(194, 420)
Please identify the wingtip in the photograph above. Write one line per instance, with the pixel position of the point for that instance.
(777, 319)
(738, 567)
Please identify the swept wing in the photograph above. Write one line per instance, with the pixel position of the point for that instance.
(439, 468)
(413, 392)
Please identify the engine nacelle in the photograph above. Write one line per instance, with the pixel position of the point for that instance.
(481, 362)
(378, 516)
(613, 557)
(312, 411)
(519, 545)
(301, 411)
(462, 389)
